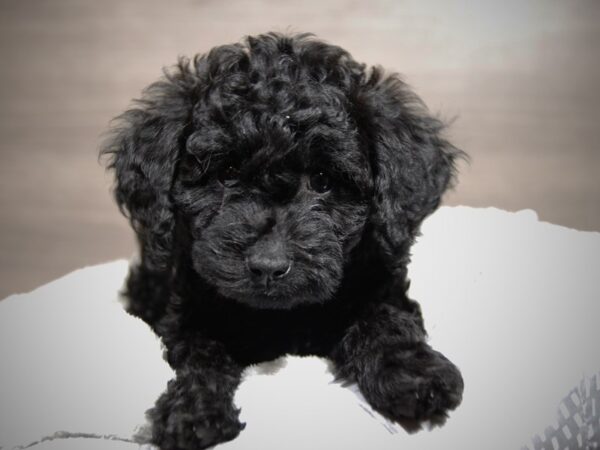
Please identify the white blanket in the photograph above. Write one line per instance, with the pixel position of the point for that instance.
(514, 302)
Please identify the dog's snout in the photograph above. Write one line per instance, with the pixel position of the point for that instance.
(265, 267)
(268, 260)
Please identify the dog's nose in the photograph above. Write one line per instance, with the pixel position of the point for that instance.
(268, 261)
(261, 266)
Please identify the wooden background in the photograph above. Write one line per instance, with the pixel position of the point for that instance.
(521, 78)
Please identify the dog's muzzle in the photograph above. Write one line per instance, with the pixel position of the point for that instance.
(268, 261)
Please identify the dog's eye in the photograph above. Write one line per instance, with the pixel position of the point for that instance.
(320, 182)
(229, 177)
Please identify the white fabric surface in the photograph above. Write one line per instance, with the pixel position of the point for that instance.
(514, 302)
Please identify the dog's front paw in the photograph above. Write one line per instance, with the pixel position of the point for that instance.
(183, 420)
(418, 384)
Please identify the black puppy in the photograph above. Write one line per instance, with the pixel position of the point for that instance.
(275, 188)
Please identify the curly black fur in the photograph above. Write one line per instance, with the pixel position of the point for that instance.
(276, 187)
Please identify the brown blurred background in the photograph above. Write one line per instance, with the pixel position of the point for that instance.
(521, 78)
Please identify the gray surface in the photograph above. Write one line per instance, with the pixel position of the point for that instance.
(521, 77)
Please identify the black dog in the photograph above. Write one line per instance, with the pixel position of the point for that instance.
(275, 188)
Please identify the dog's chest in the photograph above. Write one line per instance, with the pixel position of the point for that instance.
(256, 336)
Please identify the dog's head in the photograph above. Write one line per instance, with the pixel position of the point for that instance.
(266, 164)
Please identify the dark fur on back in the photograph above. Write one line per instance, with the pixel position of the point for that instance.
(275, 188)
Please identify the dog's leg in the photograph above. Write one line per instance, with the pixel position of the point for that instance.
(197, 411)
(400, 375)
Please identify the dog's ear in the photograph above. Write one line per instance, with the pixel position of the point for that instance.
(412, 164)
(144, 150)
